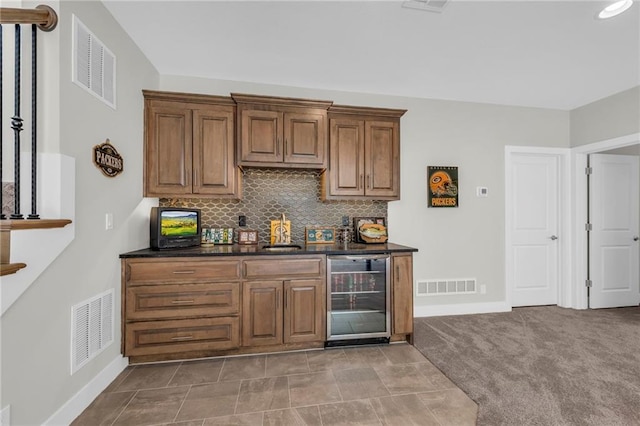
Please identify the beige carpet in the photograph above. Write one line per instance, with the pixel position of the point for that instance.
(541, 365)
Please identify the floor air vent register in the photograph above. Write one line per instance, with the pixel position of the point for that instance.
(91, 328)
(446, 287)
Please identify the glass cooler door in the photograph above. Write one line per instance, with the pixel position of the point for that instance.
(358, 297)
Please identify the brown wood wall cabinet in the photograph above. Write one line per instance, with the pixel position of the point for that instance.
(195, 144)
(364, 145)
(190, 146)
(194, 307)
(281, 132)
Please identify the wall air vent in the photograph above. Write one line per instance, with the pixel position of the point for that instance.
(94, 66)
(426, 5)
(91, 328)
(446, 287)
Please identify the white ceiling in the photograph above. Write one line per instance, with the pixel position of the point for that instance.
(551, 54)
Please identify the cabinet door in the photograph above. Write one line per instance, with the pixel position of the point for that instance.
(382, 165)
(261, 136)
(304, 310)
(346, 171)
(402, 287)
(304, 138)
(168, 154)
(214, 171)
(262, 313)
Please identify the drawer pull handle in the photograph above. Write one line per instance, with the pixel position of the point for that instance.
(184, 272)
(181, 338)
(182, 302)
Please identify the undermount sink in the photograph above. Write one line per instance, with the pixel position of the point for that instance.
(281, 247)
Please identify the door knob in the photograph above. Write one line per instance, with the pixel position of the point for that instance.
(553, 238)
(635, 238)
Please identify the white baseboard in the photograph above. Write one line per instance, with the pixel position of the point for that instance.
(460, 309)
(81, 400)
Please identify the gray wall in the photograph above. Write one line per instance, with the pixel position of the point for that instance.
(608, 118)
(35, 367)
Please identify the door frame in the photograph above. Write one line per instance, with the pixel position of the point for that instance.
(564, 224)
(578, 298)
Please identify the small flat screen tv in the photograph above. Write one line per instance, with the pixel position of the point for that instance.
(174, 227)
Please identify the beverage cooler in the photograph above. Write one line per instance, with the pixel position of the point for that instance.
(358, 299)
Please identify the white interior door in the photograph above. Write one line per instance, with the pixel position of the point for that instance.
(533, 257)
(614, 250)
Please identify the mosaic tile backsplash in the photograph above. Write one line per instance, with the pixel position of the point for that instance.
(267, 193)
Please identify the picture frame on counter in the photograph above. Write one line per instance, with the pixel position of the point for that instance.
(247, 237)
(320, 235)
(212, 235)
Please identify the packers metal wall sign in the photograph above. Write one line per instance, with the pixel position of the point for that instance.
(443, 186)
(107, 159)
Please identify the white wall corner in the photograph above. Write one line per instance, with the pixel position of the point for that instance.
(5, 416)
(85, 396)
(55, 186)
(38, 248)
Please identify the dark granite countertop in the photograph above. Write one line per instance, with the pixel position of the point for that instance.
(244, 250)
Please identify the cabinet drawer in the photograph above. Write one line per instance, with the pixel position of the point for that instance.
(162, 337)
(160, 271)
(182, 300)
(289, 267)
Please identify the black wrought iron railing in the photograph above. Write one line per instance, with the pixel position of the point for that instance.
(44, 18)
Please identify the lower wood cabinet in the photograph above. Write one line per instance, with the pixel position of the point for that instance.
(180, 305)
(194, 307)
(402, 294)
(276, 312)
(182, 300)
(262, 313)
(177, 308)
(304, 311)
(177, 336)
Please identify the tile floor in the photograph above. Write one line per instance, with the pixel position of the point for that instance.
(373, 385)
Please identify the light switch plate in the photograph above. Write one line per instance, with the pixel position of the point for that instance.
(108, 221)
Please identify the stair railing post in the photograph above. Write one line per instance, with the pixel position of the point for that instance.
(16, 125)
(43, 17)
(34, 157)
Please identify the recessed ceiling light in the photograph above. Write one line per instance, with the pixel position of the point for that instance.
(615, 9)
